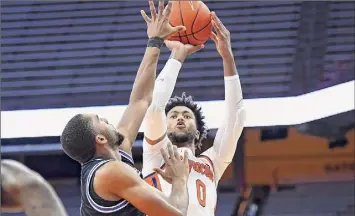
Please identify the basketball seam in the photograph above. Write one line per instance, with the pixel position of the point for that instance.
(180, 37)
(193, 22)
(178, 32)
(182, 21)
(196, 31)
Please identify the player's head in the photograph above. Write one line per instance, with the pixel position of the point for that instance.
(186, 125)
(87, 135)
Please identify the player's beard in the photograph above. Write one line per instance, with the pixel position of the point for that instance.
(182, 139)
(114, 139)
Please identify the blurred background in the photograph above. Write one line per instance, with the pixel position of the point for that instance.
(59, 54)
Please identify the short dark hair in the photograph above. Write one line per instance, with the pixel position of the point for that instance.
(78, 138)
(195, 108)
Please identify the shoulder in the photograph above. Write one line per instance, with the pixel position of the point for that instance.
(209, 155)
(148, 147)
(112, 172)
(207, 158)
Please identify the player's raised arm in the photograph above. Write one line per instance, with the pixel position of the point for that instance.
(227, 136)
(117, 178)
(155, 126)
(158, 28)
(155, 119)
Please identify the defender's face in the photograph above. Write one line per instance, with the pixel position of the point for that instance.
(181, 120)
(107, 132)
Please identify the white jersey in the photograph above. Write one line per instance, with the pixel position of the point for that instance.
(202, 185)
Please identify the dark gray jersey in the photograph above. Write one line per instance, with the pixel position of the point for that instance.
(92, 204)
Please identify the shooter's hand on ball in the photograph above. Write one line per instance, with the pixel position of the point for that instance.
(158, 25)
(180, 51)
(221, 38)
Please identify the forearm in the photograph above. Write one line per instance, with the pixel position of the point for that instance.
(232, 126)
(230, 130)
(229, 65)
(179, 196)
(155, 119)
(144, 82)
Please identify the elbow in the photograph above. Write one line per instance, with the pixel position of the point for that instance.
(149, 99)
(241, 118)
(146, 99)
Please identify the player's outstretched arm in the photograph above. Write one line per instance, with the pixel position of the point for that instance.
(227, 136)
(31, 193)
(158, 28)
(155, 119)
(121, 180)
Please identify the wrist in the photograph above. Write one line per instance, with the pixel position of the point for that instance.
(180, 182)
(178, 54)
(155, 42)
(227, 55)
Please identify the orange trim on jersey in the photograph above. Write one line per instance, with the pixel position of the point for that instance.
(153, 180)
(156, 141)
(149, 175)
(208, 159)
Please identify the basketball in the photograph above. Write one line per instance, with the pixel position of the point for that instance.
(196, 17)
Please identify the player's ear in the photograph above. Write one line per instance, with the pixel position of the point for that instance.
(100, 139)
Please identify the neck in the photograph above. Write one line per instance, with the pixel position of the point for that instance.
(110, 155)
(189, 145)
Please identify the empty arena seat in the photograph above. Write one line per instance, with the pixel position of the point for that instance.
(75, 51)
(311, 199)
(340, 50)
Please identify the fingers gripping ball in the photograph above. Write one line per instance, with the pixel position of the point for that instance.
(196, 17)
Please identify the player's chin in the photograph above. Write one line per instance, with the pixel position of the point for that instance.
(180, 131)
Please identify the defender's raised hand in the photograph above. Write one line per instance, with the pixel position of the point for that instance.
(158, 25)
(221, 38)
(177, 166)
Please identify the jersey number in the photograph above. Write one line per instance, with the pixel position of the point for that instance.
(153, 180)
(201, 192)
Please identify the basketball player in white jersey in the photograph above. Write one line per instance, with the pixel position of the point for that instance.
(180, 121)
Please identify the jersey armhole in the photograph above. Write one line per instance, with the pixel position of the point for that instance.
(126, 158)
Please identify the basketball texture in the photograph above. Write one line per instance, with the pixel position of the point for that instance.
(196, 17)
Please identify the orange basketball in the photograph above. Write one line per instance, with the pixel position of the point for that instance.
(196, 17)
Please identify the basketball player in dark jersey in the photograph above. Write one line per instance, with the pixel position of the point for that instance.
(110, 185)
(23, 190)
